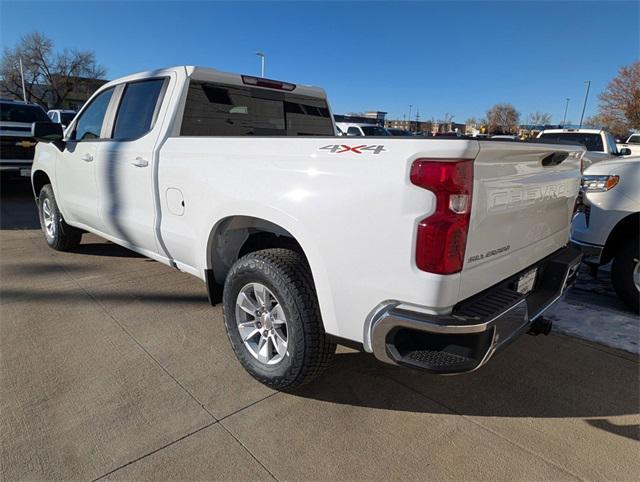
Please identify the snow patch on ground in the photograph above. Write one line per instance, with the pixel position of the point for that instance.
(591, 310)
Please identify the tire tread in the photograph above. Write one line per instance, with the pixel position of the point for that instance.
(291, 268)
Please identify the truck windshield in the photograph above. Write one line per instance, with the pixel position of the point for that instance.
(22, 113)
(232, 110)
(593, 142)
(634, 139)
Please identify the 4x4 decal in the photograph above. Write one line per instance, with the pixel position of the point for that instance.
(340, 148)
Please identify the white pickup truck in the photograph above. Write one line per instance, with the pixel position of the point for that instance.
(600, 144)
(430, 253)
(633, 144)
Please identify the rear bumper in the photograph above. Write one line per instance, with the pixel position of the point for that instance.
(477, 327)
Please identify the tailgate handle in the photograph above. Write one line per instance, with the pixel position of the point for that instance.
(554, 158)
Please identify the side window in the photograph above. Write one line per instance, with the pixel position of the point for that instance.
(137, 109)
(353, 131)
(89, 124)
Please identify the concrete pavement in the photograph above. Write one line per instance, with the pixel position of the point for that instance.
(114, 366)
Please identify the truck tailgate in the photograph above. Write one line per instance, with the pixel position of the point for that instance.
(523, 198)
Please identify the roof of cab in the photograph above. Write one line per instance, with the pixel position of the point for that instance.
(212, 75)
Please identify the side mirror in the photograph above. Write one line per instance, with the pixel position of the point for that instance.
(625, 151)
(47, 131)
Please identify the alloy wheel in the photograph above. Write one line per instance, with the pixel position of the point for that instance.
(262, 323)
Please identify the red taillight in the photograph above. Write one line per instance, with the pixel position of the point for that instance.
(442, 237)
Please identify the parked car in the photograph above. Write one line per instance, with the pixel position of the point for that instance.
(62, 116)
(399, 132)
(17, 147)
(505, 137)
(355, 129)
(632, 143)
(600, 144)
(429, 253)
(606, 225)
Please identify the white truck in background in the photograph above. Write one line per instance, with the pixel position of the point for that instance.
(607, 224)
(431, 253)
(354, 129)
(600, 144)
(632, 143)
(62, 116)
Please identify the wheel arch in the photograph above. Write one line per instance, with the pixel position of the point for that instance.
(39, 179)
(235, 236)
(619, 234)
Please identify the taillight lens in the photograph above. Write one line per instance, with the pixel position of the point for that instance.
(442, 237)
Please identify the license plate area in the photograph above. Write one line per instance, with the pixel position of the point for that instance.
(527, 281)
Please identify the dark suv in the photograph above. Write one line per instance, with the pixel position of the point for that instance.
(17, 147)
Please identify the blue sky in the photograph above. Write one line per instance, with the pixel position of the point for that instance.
(442, 57)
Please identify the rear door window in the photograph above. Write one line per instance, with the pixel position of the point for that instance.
(228, 110)
(137, 109)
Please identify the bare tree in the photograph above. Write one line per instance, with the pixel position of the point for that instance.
(447, 118)
(472, 121)
(49, 76)
(619, 107)
(503, 118)
(539, 118)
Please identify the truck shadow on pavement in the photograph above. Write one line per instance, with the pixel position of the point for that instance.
(552, 377)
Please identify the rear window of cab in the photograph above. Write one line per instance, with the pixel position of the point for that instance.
(230, 110)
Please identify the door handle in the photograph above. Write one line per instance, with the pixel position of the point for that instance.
(140, 162)
(87, 158)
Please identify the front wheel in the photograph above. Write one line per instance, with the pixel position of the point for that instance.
(625, 274)
(273, 321)
(58, 234)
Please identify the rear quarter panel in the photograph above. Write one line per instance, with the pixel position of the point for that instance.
(353, 214)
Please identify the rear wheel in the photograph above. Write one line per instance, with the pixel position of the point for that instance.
(273, 320)
(625, 273)
(58, 234)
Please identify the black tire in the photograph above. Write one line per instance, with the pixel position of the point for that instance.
(624, 264)
(287, 276)
(61, 237)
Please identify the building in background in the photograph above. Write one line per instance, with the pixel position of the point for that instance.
(377, 116)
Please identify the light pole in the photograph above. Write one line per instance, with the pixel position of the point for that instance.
(24, 92)
(566, 107)
(586, 96)
(261, 55)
